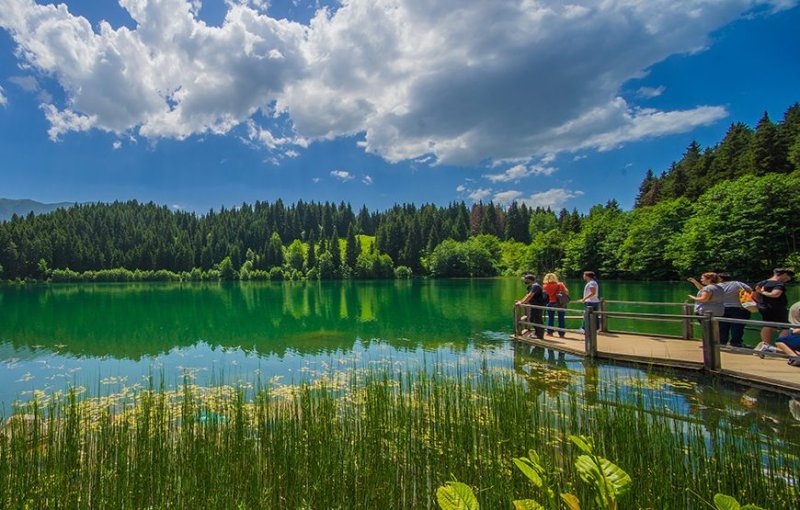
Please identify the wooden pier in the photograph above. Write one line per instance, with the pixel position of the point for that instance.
(685, 353)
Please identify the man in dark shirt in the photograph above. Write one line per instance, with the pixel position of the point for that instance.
(533, 297)
(772, 302)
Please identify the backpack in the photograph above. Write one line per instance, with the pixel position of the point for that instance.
(562, 298)
(541, 298)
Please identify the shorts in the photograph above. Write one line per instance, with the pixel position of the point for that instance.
(774, 315)
(793, 341)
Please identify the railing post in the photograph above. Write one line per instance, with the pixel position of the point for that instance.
(687, 321)
(590, 332)
(516, 319)
(711, 359)
(603, 317)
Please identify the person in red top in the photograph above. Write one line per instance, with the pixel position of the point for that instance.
(553, 287)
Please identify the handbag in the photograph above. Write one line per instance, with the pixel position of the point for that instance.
(562, 298)
(747, 300)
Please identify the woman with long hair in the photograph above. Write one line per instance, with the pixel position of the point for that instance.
(553, 287)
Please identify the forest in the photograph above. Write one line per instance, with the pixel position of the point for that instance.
(731, 207)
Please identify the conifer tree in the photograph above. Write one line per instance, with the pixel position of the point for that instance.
(351, 249)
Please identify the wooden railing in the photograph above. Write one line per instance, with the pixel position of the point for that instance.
(709, 325)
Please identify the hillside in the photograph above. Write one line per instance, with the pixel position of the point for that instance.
(9, 207)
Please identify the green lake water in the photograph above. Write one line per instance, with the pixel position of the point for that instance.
(104, 337)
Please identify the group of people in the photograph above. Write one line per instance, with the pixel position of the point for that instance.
(718, 293)
(552, 293)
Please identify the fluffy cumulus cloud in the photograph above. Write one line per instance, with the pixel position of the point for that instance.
(553, 198)
(447, 82)
(517, 172)
(342, 175)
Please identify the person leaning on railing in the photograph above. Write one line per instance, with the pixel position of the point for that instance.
(710, 296)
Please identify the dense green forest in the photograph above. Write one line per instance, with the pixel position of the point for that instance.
(732, 207)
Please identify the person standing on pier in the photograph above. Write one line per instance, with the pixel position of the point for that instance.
(553, 287)
(710, 297)
(534, 297)
(591, 295)
(772, 303)
(732, 308)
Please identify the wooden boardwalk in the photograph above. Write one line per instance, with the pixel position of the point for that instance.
(771, 372)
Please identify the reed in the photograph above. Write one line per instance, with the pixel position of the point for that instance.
(367, 438)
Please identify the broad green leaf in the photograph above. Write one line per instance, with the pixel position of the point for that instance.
(752, 507)
(583, 443)
(529, 470)
(527, 504)
(534, 457)
(571, 500)
(619, 479)
(456, 496)
(725, 502)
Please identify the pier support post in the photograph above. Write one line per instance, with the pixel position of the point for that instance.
(687, 322)
(516, 319)
(590, 332)
(711, 358)
(603, 317)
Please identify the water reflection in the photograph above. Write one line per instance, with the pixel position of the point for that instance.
(684, 397)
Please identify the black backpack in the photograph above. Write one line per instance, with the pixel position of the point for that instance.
(539, 298)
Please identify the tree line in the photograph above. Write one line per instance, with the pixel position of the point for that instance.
(730, 212)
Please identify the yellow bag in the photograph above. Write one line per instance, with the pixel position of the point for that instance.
(747, 300)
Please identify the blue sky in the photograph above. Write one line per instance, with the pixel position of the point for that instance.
(198, 105)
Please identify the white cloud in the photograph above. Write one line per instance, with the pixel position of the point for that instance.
(479, 194)
(650, 92)
(506, 197)
(342, 175)
(64, 121)
(553, 198)
(3, 98)
(27, 83)
(116, 145)
(515, 173)
(446, 82)
(367, 180)
(177, 207)
(461, 188)
(315, 180)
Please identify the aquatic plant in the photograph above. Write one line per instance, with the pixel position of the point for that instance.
(368, 437)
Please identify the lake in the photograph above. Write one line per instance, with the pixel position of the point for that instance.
(105, 337)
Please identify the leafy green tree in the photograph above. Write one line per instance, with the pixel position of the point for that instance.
(226, 269)
(642, 253)
(542, 221)
(745, 227)
(294, 255)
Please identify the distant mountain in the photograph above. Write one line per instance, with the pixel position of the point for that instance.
(9, 207)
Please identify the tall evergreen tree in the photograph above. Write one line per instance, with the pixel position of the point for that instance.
(351, 250)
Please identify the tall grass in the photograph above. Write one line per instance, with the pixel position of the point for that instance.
(370, 438)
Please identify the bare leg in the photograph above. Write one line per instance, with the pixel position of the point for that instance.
(766, 334)
(782, 347)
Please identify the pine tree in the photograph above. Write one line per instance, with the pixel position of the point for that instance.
(336, 252)
(769, 153)
(644, 198)
(351, 249)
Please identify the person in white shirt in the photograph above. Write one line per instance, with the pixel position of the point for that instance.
(591, 295)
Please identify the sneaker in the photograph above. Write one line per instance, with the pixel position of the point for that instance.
(758, 348)
(581, 330)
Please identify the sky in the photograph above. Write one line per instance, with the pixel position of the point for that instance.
(203, 104)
